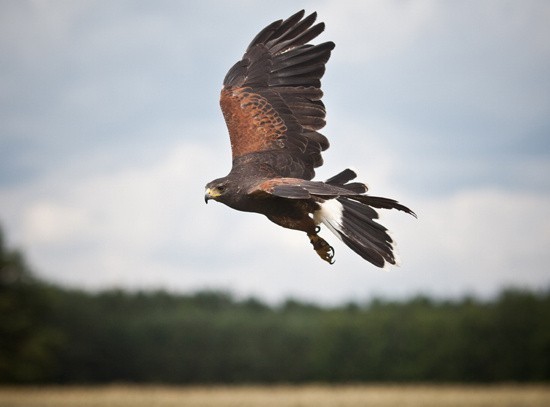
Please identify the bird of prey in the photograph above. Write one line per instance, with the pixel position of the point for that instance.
(271, 102)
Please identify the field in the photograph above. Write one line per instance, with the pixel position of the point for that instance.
(277, 396)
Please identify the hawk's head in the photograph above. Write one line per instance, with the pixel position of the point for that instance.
(217, 189)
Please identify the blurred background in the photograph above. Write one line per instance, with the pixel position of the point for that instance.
(110, 128)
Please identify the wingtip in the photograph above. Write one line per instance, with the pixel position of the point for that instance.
(318, 28)
(299, 15)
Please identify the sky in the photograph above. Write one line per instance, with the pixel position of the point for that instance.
(110, 127)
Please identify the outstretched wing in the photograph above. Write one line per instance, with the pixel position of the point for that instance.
(271, 99)
(335, 187)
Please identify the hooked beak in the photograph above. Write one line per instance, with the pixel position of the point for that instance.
(210, 194)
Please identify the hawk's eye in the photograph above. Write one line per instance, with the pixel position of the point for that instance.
(221, 188)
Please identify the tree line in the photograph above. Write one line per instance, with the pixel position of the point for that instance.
(50, 334)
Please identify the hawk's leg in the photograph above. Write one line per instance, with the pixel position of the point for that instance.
(323, 249)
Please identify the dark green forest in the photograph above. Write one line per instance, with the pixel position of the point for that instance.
(50, 334)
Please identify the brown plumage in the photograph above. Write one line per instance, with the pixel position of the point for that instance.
(271, 102)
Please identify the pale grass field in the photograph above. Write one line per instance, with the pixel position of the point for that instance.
(280, 396)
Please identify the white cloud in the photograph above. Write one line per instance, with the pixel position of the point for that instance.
(54, 224)
(480, 240)
(131, 211)
(32, 30)
(367, 30)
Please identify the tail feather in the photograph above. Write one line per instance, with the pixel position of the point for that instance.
(361, 209)
(357, 215)
(368, 253)
(366, 237)
(382, 203)
(352, 219)
(353, 223)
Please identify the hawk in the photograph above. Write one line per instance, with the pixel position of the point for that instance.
(271, 102)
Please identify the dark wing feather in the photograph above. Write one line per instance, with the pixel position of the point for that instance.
(342, 177)
(271, 99)
(295, 188)
(335, 187)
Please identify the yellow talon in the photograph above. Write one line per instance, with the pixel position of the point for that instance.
(323, 249)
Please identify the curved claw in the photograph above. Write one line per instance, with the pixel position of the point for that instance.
(323, 249)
